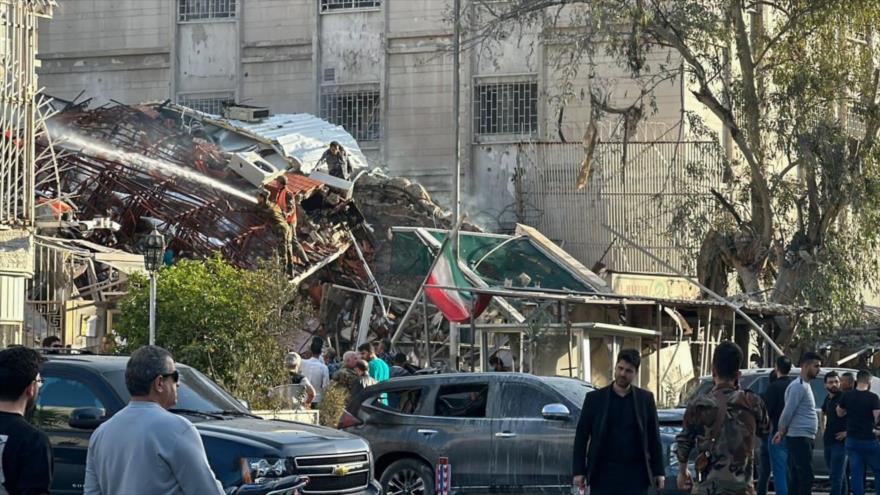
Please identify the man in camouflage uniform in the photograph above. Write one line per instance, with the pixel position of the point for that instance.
(722, 426)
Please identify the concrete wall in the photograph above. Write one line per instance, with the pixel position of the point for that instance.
(108, 49)
(276, 51)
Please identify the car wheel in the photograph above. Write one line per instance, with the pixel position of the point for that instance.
(408, 477)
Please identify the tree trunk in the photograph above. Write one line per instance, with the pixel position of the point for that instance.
(789, 284)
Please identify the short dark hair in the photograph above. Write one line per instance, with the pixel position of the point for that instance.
(399, 359)
(317, 346)
(863, 376)
(144, 365)
(48, 341)
(366, 346)
(831, 374)
(19, 367)
(362, 365)
(810, 356)
(494, 359)
(783, 364)
(335, 144)
(848, 375)
(281, 179)
(726, 360)
(630, 356)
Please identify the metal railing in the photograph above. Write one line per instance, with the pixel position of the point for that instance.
(194, 10)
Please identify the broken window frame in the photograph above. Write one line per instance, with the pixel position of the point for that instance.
(355, 107)
(514, 110)
(206, 10)
(210, 103)
(332, 6)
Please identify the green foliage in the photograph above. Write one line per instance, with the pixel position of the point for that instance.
(795, 84)
(224, 321)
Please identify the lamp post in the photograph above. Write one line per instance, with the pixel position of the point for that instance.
(153, 253)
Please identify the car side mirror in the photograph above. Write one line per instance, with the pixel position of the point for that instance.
(557, 412)
(86, 418)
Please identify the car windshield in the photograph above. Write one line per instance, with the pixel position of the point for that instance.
(570, 388)
(196, 392)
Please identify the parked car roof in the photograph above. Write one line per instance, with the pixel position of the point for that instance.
(95, 362)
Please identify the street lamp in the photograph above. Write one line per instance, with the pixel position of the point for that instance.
(153, 254)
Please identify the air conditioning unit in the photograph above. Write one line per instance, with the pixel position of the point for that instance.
(245, 113)
(252, 167)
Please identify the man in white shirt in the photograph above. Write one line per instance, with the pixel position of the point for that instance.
(144, 449)
(316, 371)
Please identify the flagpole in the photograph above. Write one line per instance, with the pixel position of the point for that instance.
(415, 298)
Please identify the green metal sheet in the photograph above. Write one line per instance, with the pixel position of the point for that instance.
(508, 259)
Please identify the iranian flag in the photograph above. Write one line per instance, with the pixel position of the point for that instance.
(449, 271)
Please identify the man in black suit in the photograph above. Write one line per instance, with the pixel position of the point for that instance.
(617, 446)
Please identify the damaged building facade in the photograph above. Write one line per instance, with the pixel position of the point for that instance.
(383, 70)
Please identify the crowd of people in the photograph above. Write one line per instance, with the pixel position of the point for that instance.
(328, 383)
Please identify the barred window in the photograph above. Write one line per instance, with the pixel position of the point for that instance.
(212, 104)
(333, 5)
(193, 10)
(357, 109)
(506, 108)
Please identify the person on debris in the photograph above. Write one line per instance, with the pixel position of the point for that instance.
(337, 160)
(861, 408)
(378, 368)
(287, 202)
(293, 363)
(774, 400)
(25, 451)
(798, 425)
(272, 214)
(144, 447)
(617, 445)
(316, 371)
(835, 435)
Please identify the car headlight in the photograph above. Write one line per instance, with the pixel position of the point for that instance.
(256, 470)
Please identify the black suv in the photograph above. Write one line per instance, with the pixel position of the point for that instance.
(79, 392)
(501, 432)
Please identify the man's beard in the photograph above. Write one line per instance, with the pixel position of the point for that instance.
(833, 390)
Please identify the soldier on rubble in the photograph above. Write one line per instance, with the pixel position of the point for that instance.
(287, 202)
(338, 163)
(270, 212)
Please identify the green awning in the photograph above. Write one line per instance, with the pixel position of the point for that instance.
(500, 260)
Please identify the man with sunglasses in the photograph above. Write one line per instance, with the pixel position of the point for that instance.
(26, 453)
(144, 448)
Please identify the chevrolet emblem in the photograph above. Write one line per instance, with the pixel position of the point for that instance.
(340, 470)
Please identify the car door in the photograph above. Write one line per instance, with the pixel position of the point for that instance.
(531, 454)
(62, 392)
(459, 427)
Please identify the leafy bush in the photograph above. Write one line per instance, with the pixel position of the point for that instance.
(224, 321)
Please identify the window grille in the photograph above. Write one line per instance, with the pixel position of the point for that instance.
(212, 104)
(356, 109)
(193, 10)
(506, 108)
(333, 5)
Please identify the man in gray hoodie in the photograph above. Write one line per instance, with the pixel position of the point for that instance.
(798, 425)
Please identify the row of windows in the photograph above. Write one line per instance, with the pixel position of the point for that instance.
(499, 108)
(194, 10)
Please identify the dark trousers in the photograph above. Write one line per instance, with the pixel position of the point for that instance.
(764, 468)
(620, 479)
(835, 459)
(800, 465)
